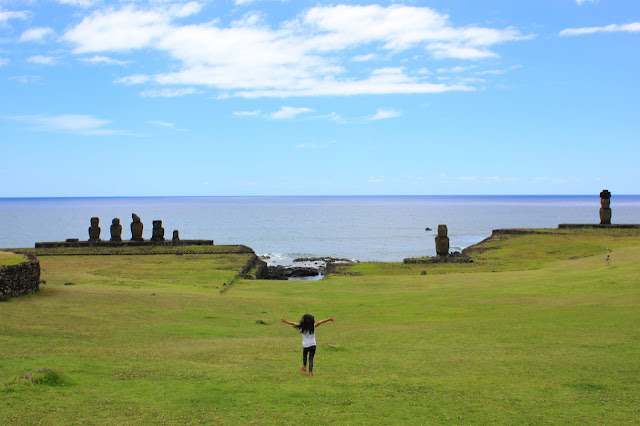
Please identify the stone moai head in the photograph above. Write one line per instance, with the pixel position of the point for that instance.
(94, 230)
(157, 233)
(136, 228)
(605, 211)
(116, 230)
(176, 235)
(442, 241)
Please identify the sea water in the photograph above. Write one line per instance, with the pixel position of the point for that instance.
(377, 228)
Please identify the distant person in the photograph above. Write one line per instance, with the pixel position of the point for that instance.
(607, 260)
(307, 327)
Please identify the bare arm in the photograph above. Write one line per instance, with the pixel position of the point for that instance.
(295, 324)
(323, 321)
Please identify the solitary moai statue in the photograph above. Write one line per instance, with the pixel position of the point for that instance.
(176, 236)
(116, 230)
(442, 241)
(157, 233)
(94, 230)
(136, 228)
(605, 211)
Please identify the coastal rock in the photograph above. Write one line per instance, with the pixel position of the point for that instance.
(285, 272)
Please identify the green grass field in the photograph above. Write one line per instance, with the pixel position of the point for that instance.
(536, 330)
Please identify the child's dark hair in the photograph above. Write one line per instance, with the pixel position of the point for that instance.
(307, 324)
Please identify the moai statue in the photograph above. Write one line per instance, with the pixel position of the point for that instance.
(94, 229)
(136, 228)
(442, 241)
(176, 236)
(605, 211)
(116, 230)
(157, 233)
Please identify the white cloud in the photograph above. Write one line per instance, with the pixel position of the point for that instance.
(166, 125)
(288, 112)
(383, 114)
(104, 60)
(365, 58)
(375, 179)
(255, 113)
(133, 79)
(79, 124)
(4, 61)
(77, 3)
(499, 71)
(6, 15)
(36, 34)
(613, 28)
(42, 60)
(581, 2)
(168, 93)
(456, 69)
(307, 56)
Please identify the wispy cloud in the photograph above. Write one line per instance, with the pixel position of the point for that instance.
(78, 124)
(77, 3)
(36, 34)
(168, 93)
(7, 15)
(42, 60)
(255, 113)
(499, 71)
(166, 125)
(3, 61)
(288, 112)
(305, 56)
(26, 79)
(383, 114)
(613, 28)
(581, 2)
(104, 60)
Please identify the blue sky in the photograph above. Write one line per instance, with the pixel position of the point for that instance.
(271, 97)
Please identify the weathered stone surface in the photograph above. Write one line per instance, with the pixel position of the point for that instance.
(21, 279)
(136, 228)
(94, 229)
(176, 236)
(116, 230)
(442, 241)
(157, 233)
(284, 272)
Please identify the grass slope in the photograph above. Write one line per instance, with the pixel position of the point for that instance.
(549, 337)
(8, 258)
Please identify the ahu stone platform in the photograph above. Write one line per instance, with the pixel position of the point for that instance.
(597, 225)
(77, 243)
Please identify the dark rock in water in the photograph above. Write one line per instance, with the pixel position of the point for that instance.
(284, 273)
(427, 229)
(261, 322)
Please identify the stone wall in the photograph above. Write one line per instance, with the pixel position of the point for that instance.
(21, 279)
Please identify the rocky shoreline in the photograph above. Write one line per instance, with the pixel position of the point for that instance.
(303, 268)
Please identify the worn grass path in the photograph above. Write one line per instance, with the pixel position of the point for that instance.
(547, 338)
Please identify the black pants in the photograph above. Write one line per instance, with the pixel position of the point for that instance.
(311, 351)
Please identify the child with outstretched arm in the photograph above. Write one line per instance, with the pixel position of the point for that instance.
(307, 327)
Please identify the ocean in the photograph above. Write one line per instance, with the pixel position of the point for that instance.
(365, 228)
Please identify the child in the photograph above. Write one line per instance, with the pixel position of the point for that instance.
(307, 328)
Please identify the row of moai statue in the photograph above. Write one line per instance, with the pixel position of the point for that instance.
(157, 233)
(605, 209)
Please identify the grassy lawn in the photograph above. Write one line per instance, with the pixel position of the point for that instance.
(8, 258)
(536, 330)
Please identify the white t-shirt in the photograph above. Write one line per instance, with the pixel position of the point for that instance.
(308, 339)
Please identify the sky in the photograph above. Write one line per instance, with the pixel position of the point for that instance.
(344, 97)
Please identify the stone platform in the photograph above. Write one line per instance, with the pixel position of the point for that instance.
(147, 243)
(598, 226)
